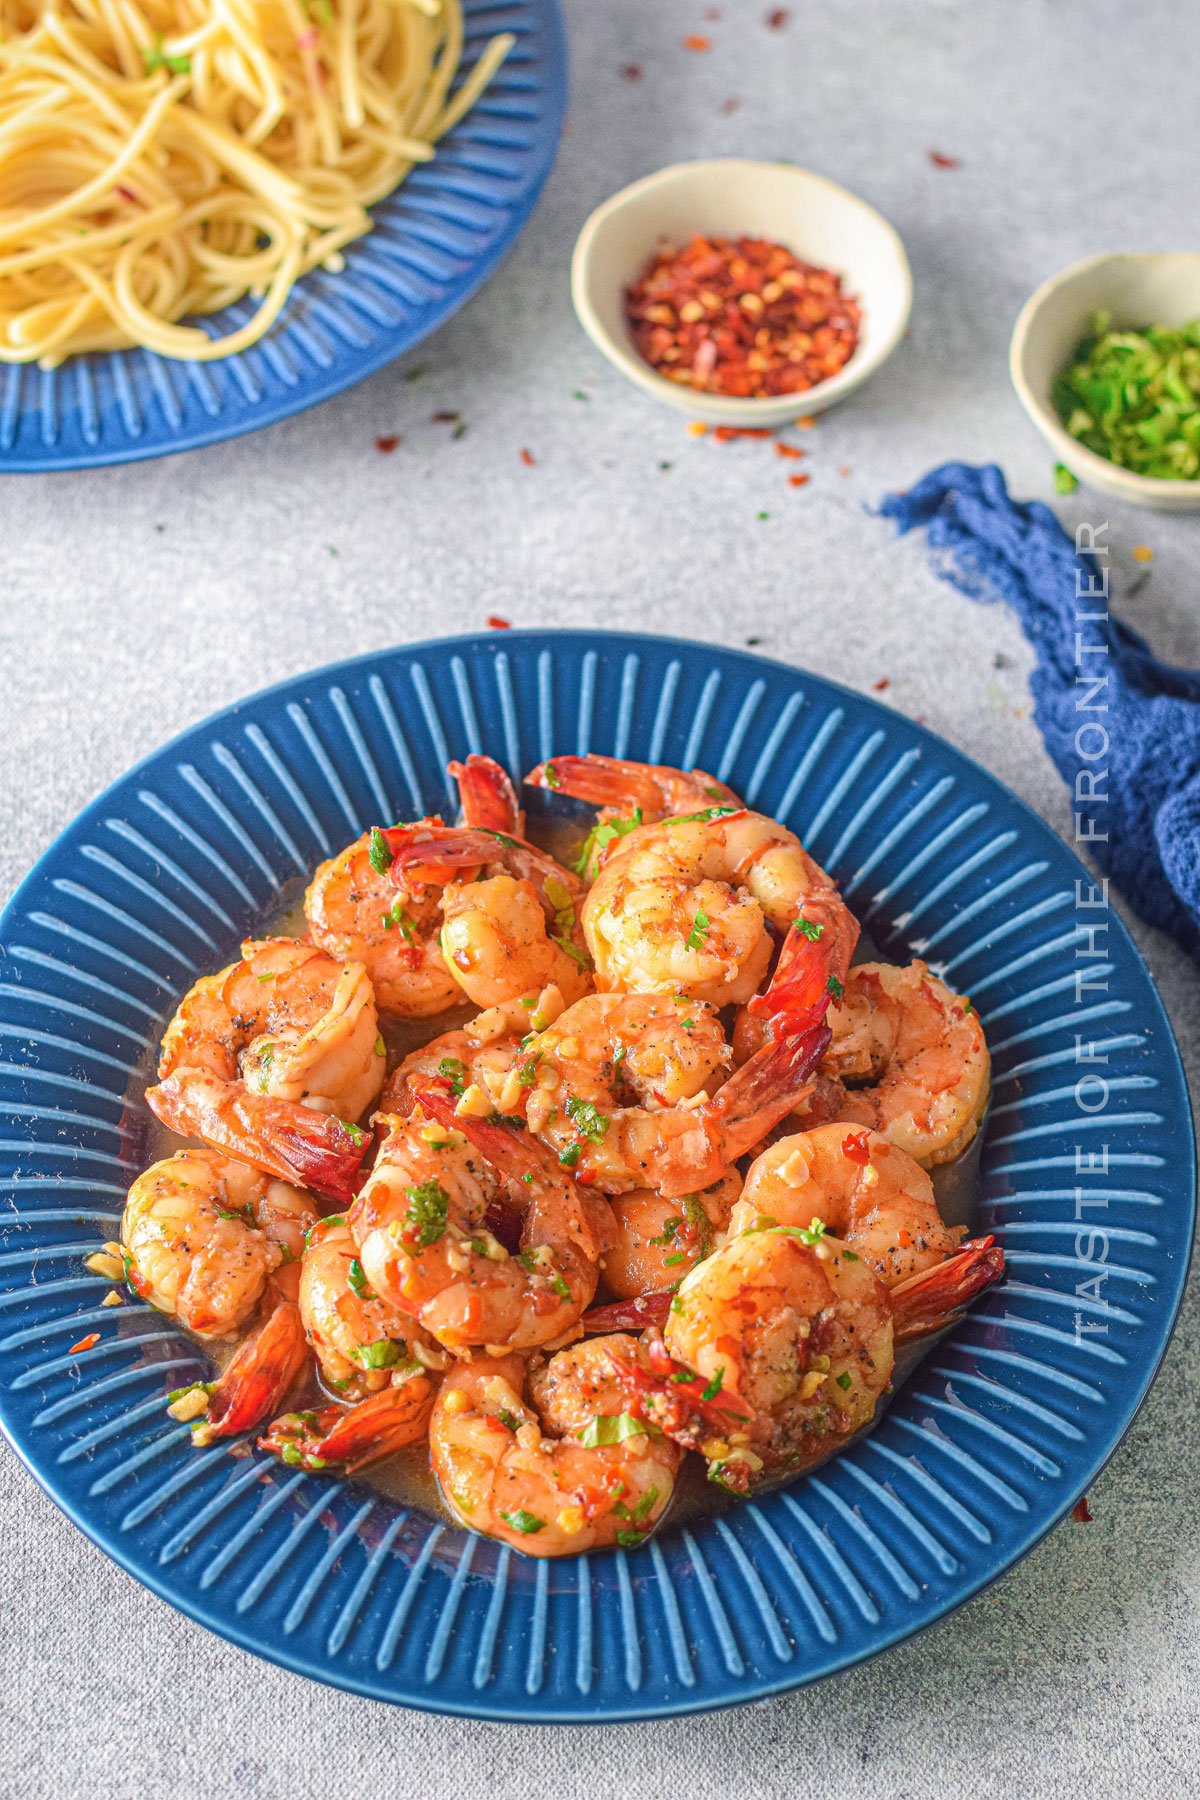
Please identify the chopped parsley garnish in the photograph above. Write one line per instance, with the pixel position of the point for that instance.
(705, 817)
(428, 1209)
(667, 1234)
(571, 1155)
(523, 1521)
(807, 928)
(396, 919)
(810, 1234)
(527, 1072)
(844, 1380)
(455, 1072)
(701, 926)
(380, 852)
(159, 58)
(382, 1354)
(588, 1121)
(587, 863)
(836, 988)
(551, 774)
(356, 1280)
(508, 1419)
(629, 1540)
(611, 1428)
(355, 1133)
(564, 922)
(714, 1386)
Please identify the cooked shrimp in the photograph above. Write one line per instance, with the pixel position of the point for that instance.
(260, 1056)
(353, 1436)
(689, 905)
(362, 1344)
(203, 1235)
(919, 1051)
(592, 1091)
(432, 1219)
(778, 1347)
(358, 906)
(659, 1240)
(503, 1475)
(259, 1375)
(860, 1187)
(513, 932)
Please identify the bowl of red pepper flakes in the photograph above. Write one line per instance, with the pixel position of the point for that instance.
(740, 292)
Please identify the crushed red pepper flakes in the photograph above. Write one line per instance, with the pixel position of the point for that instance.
(882, 685)
(528, 458)
(85, 1343)
(845, 472)
(725, 434)
(806, 423)
(944, 162)
(697, 41)
(798, 480)
(729, 106)
(713, 14)
(496, 623)
(790, 450)
(777, 18)
(741, 316)
(1081, 1512)
(385, 445)
(631, 71)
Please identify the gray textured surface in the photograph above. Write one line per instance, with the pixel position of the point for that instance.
(137, 600)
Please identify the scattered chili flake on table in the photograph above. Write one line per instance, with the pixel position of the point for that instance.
(806, 423)
(1142, 553)
(882, 685)
(528, 458)
(1081, 1512)
(725, 434)
(697, 41)
(728, 106)
(798, 480)
(85, 1343)
(741, 316)
(385, 445)
(944, 162)
(497, 623)
(632, 71)
(790, 450)
(777, 18)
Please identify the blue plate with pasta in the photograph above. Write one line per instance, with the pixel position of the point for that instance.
(1086, 1179)
(440, 121)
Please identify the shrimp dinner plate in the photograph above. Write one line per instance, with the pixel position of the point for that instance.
(1086, 1178)
(434, 241)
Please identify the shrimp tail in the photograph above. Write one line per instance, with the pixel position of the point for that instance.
(609, 782)
(256, 1379)
(937, 1297)
(292, 1142)
(487, 795)
(629, 1315)
(813, 963)
(672, 1397)
(353, 1436)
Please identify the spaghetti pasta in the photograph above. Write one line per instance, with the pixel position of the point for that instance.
(161, 159)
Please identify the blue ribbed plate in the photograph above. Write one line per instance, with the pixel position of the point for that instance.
(435, 241)
(987, 1445)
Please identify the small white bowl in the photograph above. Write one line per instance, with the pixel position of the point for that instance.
(814, 218)
(1138, 290)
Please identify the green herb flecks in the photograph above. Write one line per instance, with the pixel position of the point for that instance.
(455, 1072)
(157, 58)
(701, 926)
(523, 1521)
(426, 1215)
(588, 1121)
(587, 863)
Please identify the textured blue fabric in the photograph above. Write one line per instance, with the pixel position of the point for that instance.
(993, 547)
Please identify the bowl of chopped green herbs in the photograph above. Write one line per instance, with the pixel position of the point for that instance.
(1105, 359)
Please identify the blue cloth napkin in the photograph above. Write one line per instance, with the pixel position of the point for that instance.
(994, 548)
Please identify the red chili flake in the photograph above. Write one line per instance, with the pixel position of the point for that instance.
(713, 14)
(944, 162)
(126, 193)
(741, 316)
(856, 1149)
(527, 457)
(798, 480)
(496, 623)
(631, 71)
(843, 472)
(385, 445)
(884, 682)
(777, 18)
(790, 450)
(697, 41)
(85, 1343)
(1081, 1512)
(725, 434)
(728, 106)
